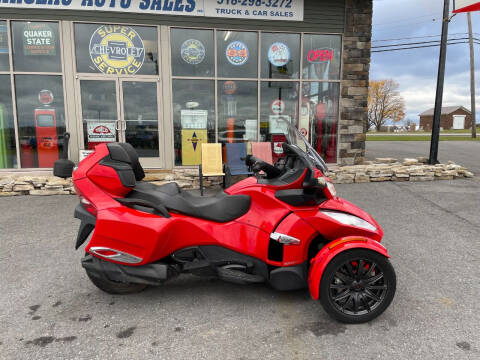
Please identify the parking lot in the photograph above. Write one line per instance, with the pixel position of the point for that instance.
(466, 153)
(50, 310)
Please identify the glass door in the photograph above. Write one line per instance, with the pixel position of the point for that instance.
(99, 112)
(123, 110)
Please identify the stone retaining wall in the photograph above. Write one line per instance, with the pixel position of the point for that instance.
(384, 169)
(389, 169)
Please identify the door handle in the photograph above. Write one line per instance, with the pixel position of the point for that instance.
(116, 125)
(124, 125)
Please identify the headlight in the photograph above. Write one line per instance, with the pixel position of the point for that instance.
(351, 220)
(331, 188)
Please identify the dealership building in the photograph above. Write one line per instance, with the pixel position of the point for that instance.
(167, 75)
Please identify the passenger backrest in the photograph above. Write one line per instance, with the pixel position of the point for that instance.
(137, 168)
(125, 152)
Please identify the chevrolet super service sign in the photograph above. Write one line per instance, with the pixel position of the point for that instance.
(243, 9)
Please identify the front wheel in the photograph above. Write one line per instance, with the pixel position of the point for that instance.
(357, 286)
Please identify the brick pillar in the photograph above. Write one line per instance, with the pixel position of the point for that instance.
(356, 66)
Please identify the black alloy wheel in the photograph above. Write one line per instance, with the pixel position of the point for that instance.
(357, 286)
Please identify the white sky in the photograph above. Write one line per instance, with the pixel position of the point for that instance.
(416, 69)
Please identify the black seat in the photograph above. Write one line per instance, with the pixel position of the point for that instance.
(220, 208)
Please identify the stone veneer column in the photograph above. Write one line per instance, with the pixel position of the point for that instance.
(356, 66)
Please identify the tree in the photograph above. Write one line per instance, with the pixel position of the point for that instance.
(384, 103)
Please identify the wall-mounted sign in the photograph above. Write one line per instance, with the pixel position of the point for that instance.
(256, 9)
(38, 39)
(45, 97)
(278, 54)
(192, 51)
(101, 131)
(236, 53)
(317, 56)
(116, 49)
(277, 106)
(251, 9)
(3, 39)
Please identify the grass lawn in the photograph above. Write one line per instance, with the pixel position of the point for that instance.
(418, 138)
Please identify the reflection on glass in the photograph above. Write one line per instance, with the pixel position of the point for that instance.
(321, 57)
(141, 116)
(193, 118)
(237, 54)
(8, 154)
(280, 56)
(237, 111)
(192, 52)
(279, 100)
(4, 66)
(36, 46)
(99, 112)
(40, 97)
(319, 116)
(116, 49)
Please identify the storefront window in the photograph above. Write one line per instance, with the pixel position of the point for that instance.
(193, 118)
(8, 154)
(36, 46)
(319, 116)
(192, 52)
(4, 66)
(321, 57)
(280, 56)
(237, 54)
(237, 111)
(279, 101)
(116, 49)
(41, 119)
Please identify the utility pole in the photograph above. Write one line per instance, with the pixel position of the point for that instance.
(472, 78)
(440, 80)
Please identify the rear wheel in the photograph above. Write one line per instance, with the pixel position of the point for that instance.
(113, 287)
(357, 286)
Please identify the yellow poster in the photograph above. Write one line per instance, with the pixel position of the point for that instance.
(192, 140)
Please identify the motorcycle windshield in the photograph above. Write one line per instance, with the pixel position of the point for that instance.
(295, 137)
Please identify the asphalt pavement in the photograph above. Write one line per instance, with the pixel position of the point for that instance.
(466, 153)
(50, 310)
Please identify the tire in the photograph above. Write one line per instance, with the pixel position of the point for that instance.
(113, 287)
(357, 286)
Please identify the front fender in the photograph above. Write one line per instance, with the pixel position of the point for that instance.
(332, 249)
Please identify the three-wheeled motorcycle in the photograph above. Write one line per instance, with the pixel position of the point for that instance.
(285, 227)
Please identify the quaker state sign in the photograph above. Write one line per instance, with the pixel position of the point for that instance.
(116, 49)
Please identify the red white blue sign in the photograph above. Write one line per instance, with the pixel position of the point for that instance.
(278, 54)
(237, 53)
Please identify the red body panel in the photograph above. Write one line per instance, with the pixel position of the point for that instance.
(152, 237)
(324, 256)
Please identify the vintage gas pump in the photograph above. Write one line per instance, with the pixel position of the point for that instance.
(46, 131)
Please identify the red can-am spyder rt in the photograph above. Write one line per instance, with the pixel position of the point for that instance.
(285, 227)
